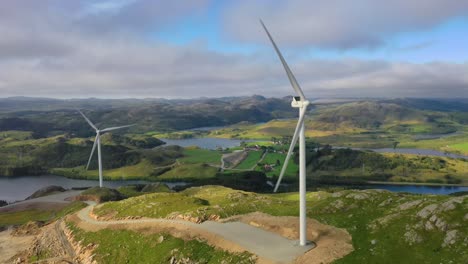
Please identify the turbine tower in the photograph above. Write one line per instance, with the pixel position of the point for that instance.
(97, 141)
(301, 103)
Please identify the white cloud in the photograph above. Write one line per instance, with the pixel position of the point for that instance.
(55, 49)
(337, 24)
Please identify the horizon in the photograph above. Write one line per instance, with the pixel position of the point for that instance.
(142, 48)
(225, 97)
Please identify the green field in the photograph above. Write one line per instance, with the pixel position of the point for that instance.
(385, 226)
(189, 172)
(250, 161)
(142, 170)
(197, 155)
(463, 147)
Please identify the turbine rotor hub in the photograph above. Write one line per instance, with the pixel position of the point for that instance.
(298, 103)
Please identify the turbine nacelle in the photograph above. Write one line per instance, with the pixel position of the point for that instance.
(298, 103)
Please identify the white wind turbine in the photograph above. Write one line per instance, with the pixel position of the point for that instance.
(97, 141)
(298, 102)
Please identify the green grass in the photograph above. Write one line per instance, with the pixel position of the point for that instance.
(359, 212)
(22, 217)
(189, 172)
(142, 170)
(123, 246)
(137, 190)
(103, 194)
(250, 161)
(461, 146)
(197, 155)
(198, 202)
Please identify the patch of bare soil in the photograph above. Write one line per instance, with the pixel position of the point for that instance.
(51, 245)
(13, 248)
(29, 229)
(233, 159)
(331, 243)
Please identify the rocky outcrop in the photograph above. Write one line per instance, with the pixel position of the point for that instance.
(46, 191)
(194, 219)
(450, 238)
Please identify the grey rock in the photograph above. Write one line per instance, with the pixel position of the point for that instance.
(411, 237)
(428, 226)
(338, 204)
(450, 204)
(160, 239)
(441, 224)
(450, 238)
(426, 211)
(386, 202)
(338, 194)
(409, 205)
(358, 196)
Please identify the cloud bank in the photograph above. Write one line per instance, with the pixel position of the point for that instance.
(89, 48)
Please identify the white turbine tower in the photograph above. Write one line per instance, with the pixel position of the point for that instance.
(97, 141)
(298, 102)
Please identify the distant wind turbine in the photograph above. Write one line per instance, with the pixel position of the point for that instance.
(300, 102)
(97, 141)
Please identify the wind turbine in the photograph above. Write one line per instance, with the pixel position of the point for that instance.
(300, 102)
(97, 141)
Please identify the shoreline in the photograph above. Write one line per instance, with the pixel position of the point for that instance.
(417, 184)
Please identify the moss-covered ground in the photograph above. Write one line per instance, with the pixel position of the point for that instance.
(123, 246)
(21, 217)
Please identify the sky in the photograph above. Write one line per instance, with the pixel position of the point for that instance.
(208, 48)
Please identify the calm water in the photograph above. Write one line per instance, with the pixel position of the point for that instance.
(206, 143)
(426, 152)
(15, 189)
(418, 188)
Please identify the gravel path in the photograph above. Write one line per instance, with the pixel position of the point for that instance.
(262, 243)
(53, 198)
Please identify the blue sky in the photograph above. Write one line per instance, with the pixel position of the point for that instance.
(446, 41)
(157, 48)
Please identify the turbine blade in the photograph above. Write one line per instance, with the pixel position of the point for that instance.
(92, 151)
(87, 120)
(291, 77)
(291, 148)
(115, 128)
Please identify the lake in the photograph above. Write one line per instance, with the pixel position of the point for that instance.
(206, 143)
(421, 189)
(15, 189)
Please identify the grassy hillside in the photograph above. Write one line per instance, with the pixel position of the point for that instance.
(51, 117)
(123, 246)
(370, 124)
(24, 216)
(347, 164)
(386, 227)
